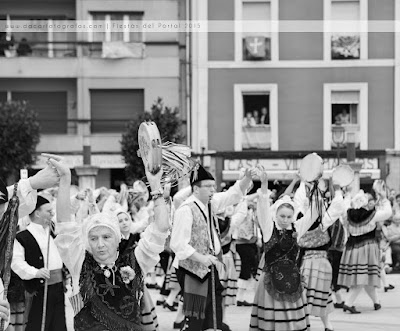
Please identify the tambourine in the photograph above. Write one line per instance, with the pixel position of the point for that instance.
(342, 175)
(311, 168)
(150, 149)
(379, 186)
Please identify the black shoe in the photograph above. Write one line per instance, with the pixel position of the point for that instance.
(390, 287)
(151, 285)
(352, 309)
(243, 303)
(339, 305)
(326, 329)
(179, 325)
(377, 306)
(225, 327)
(171, 308)
(160, 302)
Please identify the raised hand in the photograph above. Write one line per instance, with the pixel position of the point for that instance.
(59, 164)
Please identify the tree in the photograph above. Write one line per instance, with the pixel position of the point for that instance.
(19, 136)
(169, 125)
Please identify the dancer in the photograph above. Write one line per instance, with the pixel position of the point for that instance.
(360, 263)
(196, 243)
(280, 303)
(315, 266)
(111, 284)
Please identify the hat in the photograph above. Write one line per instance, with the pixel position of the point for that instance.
(3, 193)
(199, 173)
(40, 202)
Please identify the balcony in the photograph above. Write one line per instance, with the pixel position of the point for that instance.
(57, 59)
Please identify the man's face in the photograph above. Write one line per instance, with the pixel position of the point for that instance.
(206, 190)
(45, 214)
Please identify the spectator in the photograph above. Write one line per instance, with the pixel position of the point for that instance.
(264, 116)
(24, 49)
(249, 120)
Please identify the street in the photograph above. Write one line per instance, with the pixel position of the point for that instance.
(387, 319)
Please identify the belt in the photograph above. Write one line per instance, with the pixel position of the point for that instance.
(55, 277)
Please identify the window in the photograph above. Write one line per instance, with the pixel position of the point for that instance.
(51, 108)
(345, 113)
(123, 27)
(112, 109)
(341, 15)
(257, 40)
(256, 116)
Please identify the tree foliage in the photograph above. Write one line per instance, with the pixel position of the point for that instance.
(19, 136)
(169, 125)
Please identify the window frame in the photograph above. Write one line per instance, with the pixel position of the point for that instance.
(272, 90)
(274, 30)
(363, 26)
(362, 89)
(107, 20)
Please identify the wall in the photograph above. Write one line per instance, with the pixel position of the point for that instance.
(300, 104)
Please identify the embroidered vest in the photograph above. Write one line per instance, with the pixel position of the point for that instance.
(199, 241)
(33, 256)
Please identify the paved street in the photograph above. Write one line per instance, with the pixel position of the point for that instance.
(386, 319)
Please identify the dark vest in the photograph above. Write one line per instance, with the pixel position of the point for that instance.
(34, 257)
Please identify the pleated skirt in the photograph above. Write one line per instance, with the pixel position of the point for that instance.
(149, 314)
(269, 314)
(171, 280)
(228, 277)
(360, 265)
(317, 272)
(17, 321)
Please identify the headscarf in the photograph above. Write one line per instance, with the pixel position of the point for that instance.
(107, 220)
(283, 200)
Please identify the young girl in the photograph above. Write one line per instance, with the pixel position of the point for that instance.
(280, 303)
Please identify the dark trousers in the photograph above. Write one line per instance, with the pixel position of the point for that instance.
(164, 258)
(194, 324)
(248, 258)
(55, 311)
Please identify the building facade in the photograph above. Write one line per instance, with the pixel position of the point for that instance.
(87, 85)
(298, 83)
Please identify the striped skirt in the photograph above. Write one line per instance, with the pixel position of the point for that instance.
(269, 314)
(317, 273)
(228, 277)
(17, 321)
(360, 265)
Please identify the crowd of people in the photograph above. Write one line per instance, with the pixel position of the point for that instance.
(287, 254)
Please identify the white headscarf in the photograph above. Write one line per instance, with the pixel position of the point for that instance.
(280, 202)
(107, 220)
(359, 200)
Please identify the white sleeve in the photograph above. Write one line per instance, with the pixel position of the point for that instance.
(264, 216)
(1, 297)
(182, 233)
(149, 248)
(19, 265)
(27, 197)
(335, 210)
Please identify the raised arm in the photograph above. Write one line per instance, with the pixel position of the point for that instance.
(263, 209)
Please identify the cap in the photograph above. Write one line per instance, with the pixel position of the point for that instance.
(199, 173)
(40, 202)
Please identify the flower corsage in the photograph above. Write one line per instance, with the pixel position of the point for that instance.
(127, 274)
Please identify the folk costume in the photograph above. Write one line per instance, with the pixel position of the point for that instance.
(110, 297)
(360, 263)
(280, 302)
(195, 229)
(30, 255)
(315, 266)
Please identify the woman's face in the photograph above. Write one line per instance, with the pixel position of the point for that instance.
(124, 223)
(371, 204)
(284, 217)
(103, 244)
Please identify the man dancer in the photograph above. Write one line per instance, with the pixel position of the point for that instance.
(29, 260)
(195, 239)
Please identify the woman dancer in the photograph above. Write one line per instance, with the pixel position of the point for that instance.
(315, 266)
(280, 303)
(360, 263)
(111, 284)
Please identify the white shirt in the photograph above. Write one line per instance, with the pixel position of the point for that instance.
(183, 220)
(27, 197)
(21, 267)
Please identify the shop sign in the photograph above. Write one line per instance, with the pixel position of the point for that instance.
(103, 161)
(291, 164)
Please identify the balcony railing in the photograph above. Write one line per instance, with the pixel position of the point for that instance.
(62, 49)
